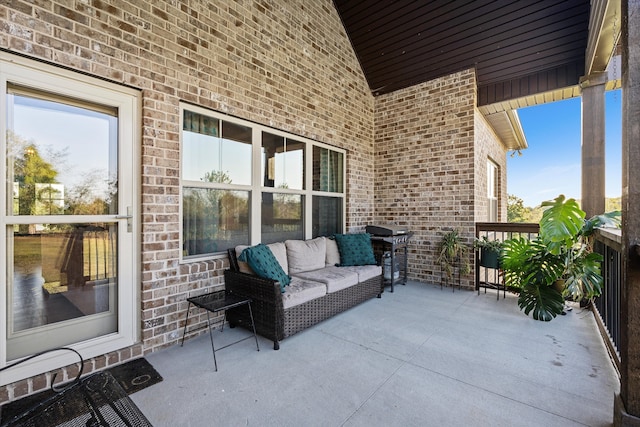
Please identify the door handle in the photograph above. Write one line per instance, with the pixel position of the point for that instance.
(128, 217)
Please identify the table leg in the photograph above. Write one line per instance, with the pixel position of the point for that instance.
(186, 321)
(215, 362)
(253, 325)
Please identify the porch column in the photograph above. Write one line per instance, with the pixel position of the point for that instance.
(593, 194)
(627, 405)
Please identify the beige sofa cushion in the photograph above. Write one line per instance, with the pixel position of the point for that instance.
(301, 290)
(336, 278)
(332, 257)
(305, 255)
(365, 272)
(279, 251)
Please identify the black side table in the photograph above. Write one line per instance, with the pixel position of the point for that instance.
(219, 301)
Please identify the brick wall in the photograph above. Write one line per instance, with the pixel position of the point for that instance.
(425, 165)
(488, 147)
(283, 63)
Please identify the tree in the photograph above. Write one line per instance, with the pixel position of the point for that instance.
(80, 199)
(211, 216)
(31, 172)
(516, 211)
(217, 176)
(613, 204)
(535, 214)
(31, 169)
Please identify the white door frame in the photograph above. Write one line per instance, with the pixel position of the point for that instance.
(28, 73)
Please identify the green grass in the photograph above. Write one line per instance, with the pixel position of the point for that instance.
(49, 251)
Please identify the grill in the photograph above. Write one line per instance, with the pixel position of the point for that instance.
(390, 245)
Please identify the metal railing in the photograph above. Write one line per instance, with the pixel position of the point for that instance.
(608, 243)
(499, 231)
(507, 230)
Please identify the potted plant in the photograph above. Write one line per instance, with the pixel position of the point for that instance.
(490, 251)
(451, 253)
(559, 262)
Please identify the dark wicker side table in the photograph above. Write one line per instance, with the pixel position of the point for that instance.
(215, 302)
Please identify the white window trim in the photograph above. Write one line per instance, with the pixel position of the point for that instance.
(39, 76)
(256, 188)
(492, 189)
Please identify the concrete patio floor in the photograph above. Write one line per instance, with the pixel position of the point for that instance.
(420, 356)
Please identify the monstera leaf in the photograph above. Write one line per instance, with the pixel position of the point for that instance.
(584, 279)
(606, 220)
(529, 261)
(561, 223)
(559, 262)
(516, 252)
(543, 302)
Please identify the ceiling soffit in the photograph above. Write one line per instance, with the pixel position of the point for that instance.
(524, 53)
(516, 47)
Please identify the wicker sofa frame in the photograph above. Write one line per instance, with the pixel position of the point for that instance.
(274, 322)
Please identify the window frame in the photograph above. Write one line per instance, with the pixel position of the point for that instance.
(256, 188)
(493, 171)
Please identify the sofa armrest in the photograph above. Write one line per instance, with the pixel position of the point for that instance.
(252, 286)
(266, 297)
(233, 259)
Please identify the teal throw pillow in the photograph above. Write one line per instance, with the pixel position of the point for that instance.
(355, 249)
(264, 264)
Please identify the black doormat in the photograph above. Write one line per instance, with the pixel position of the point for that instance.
(135, 375)
(132, 376)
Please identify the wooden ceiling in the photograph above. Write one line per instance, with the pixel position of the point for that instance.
(518, 48)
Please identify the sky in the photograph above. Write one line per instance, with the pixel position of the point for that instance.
(551, 164)
(85, 150)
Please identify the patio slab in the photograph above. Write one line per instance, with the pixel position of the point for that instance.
(418, 356)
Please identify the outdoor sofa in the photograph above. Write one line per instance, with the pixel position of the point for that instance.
(311, 281)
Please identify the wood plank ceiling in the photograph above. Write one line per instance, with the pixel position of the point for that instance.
(518, 48)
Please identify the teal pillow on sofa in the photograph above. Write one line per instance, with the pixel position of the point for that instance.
(355, 249)
(264, 264)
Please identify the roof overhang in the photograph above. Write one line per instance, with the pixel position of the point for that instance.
(503, 116)
(604, 33)
(601, 62)
(506, 125)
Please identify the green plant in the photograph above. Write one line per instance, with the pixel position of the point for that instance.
(451, 253)
(557, 264)
(490, 251)
(490, 245)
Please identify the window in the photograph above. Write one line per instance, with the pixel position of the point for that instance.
(328, 168)
(282, 162)
(69, 149)
(282, 168)
(328, 177)
(216, 176)
(327, 215)
(244, 183)
(492, 191)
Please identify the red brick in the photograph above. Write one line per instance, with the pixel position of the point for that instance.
(20, 389)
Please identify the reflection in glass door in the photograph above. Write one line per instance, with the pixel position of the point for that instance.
(62, 221)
